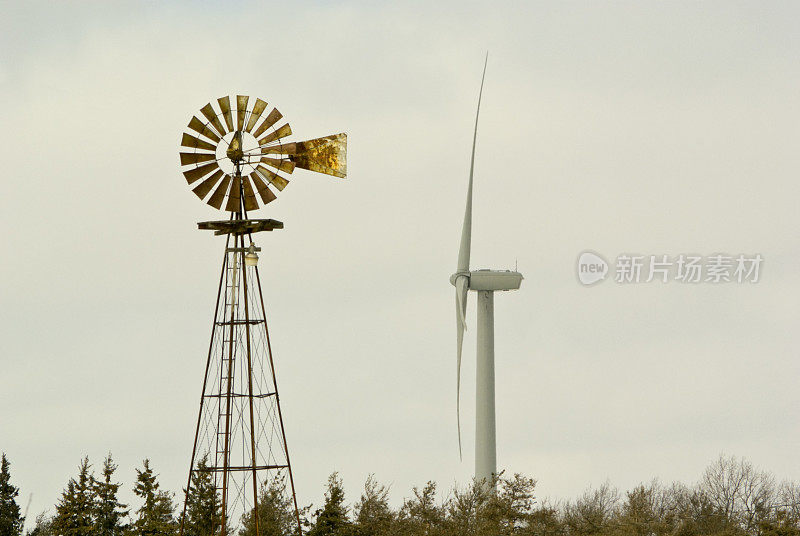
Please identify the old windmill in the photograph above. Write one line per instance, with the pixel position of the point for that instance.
(233, 158)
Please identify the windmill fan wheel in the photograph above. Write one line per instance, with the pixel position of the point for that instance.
(231, 153)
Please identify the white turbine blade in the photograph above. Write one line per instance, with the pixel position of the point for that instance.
(466, 229)
(461, 300)
(461, 325)
(461, 281)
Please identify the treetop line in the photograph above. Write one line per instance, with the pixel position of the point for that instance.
(732, 498)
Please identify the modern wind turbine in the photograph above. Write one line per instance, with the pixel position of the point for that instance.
(485, 283)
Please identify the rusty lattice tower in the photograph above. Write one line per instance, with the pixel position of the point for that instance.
(233, 159)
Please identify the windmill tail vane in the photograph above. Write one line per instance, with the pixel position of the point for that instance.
(236, 157)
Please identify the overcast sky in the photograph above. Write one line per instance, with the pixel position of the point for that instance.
(642, 127)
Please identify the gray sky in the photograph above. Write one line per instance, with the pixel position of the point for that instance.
(644, 127)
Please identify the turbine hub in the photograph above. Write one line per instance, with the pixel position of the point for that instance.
(455, 276)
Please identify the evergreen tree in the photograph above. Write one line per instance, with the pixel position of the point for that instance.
(109, 512)
(75, 511)
(421, 514)
(332, 519)
(276, 515)
(156, 515)
(203, 504)
(509, 510)
(373, 515)
(10, 518)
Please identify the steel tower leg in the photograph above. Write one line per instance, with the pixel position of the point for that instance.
(485, 446)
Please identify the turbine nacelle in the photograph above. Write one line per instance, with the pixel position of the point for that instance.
(486, 279)
(494, 280)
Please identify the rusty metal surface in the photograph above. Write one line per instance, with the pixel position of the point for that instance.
(196, 158)
(273, 178)
(250, 202)
(202, 189)
(241, 110)
(190, 141)
(324, 155)
(201, 128)
(219, 194)
(258, 109)
(266, 194)
(273, 117)
(210, 114)
(281, 132)
(281, 148)
(234, 196)
(239, 227)
(200, 172)
(225, 106)
(234, 151)
(281, 165)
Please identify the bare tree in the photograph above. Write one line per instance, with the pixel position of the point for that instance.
(738, 491)
(591, 513)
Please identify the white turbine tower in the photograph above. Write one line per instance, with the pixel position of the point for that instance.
(485, 283)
